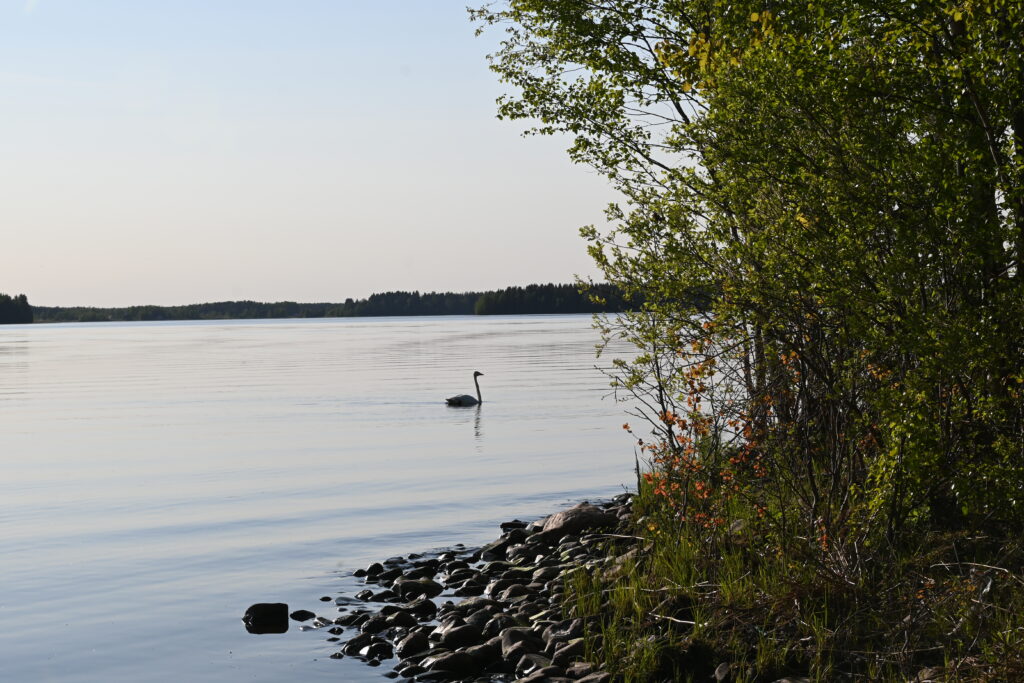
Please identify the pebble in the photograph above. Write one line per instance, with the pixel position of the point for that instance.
(503, 618)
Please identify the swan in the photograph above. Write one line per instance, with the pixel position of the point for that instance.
(466, 399)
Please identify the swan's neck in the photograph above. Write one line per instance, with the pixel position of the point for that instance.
(476, 381)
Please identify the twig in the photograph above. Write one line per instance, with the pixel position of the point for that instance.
(678, 621)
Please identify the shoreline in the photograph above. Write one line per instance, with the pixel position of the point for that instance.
(493, 613)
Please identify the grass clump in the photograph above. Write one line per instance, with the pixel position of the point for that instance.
(697, 601)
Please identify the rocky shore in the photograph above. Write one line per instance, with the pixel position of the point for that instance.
(487, 614)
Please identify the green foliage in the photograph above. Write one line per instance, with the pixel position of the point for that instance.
(844, 179)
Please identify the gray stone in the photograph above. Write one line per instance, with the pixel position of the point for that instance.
(462, 636)
(454, 662)
(409, 589)
(579, 669)
(575, 520)
(531, 662)
(422, 608)
(596, 677)
(569, 653)
(374, 624)
(412, 644)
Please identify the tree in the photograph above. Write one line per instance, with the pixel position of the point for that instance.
(14, 310)
(845, 178)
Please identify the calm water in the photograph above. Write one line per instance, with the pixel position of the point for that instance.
(157, 478)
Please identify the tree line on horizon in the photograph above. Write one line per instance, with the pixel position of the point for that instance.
(14, 309)
(531, 299)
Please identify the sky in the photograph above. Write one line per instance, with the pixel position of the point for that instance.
(179, 152)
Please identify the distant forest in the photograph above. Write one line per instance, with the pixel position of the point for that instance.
(14, 309)
(549, 298)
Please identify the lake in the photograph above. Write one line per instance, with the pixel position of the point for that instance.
(158, 478)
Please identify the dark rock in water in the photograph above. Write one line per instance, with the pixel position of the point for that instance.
(388, 575)
(401, 619)
(498, 623)
(495, 550)
(353, 646)
(374, 569)
(364, 595)
(511, 637)
(414, 588)
(421, 608)
(374, 624)
(516, 590)
(326, 598)
(575, 520)
(302, 615)
(412, 644)
(470, 589)
(266, 617)
(426, 572)
(458, 663)
(379, 650)
(462, 636)
(514, 524)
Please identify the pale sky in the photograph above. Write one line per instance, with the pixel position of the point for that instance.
(180, 151)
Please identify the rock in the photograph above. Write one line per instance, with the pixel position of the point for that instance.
(462, 636)
(364, 595)
(266, 617)
(426, 572)
(374, 624)
(495, 550)
(302, 615)
(421, 608)
(373, 570)
(569, 653)
(401, 619)
(721, 671)
(485, 652)
(458, 663)
(379, 650)
(326, 598)
(412, 644)
(596, 677)
(575, 520)
(353, 646)
(579, 669)
(514, 524)
(531, 662)
(388, 575)
(514, 591)
(414, 588)
(545, 573)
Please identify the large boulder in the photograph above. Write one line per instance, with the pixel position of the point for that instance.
(575, 520)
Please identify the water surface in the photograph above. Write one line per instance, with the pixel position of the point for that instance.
(157, 478)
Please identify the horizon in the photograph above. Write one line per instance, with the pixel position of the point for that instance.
(421, 292)
(277, 151)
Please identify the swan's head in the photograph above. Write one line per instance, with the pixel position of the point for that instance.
(477, 373)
